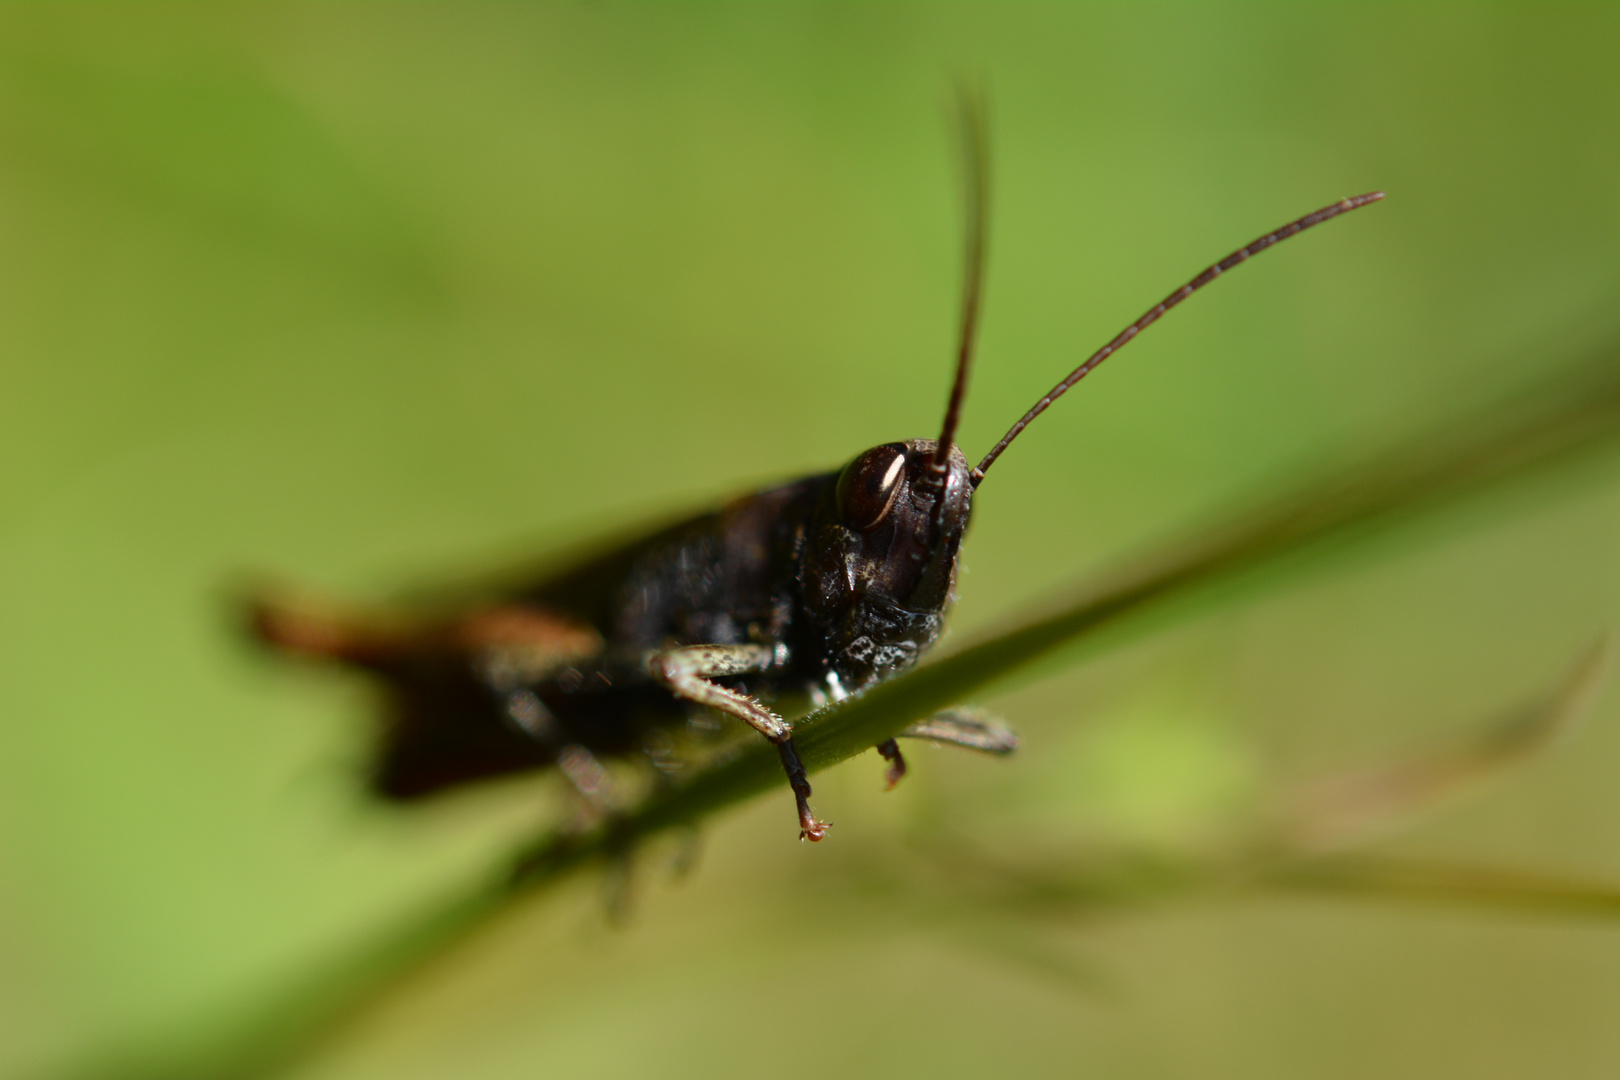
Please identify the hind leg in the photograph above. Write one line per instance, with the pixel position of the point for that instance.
(462, 703)
(507, 645)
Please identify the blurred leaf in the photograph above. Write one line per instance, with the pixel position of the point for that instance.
(1407, 880)
(215, 147)
(1351, 806)
(1162, 777)
(1021, 947)
(1285, 850)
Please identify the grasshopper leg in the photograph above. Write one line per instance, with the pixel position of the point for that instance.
(967, 727)
(897, 763)
(589, 779)
(687, 672)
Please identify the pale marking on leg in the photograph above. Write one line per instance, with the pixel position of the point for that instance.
(528, 714)
(687, 672)
(589, 778)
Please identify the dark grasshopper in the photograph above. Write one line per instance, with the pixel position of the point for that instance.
(822, 586)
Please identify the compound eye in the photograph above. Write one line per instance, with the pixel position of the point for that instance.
(869, 485)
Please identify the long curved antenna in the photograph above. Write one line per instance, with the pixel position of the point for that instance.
(1240, 255)
(976, 199)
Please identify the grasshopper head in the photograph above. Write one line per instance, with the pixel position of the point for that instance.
(880, 558)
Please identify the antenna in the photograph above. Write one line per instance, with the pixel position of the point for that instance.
(976, 198)
(1343, 206)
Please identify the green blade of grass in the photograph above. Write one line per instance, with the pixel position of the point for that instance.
(1350, 806)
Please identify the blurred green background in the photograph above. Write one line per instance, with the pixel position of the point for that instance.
(368, 295)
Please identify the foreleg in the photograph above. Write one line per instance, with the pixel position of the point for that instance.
(687, 672)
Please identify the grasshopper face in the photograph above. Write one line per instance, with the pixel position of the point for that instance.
(880, 557)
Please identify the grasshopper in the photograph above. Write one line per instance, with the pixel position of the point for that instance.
(821, 586)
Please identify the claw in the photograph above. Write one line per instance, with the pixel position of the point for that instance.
(809, 828)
